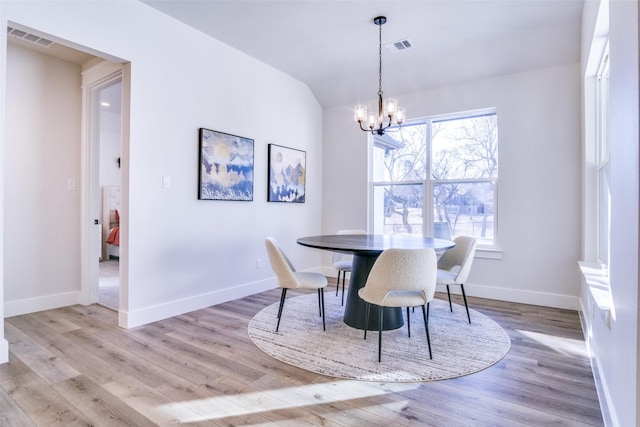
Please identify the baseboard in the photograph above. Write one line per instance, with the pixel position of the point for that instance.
(546, 299)
(46, 302)
(131, 319)
(604, 397)
(501, 294)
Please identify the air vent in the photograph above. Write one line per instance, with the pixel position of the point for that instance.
(400, 45)
(29, 37)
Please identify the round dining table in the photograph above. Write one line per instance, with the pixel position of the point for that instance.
(365, 249)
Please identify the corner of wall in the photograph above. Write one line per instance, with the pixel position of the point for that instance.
(4, 351)
(4, 345)
(587, 316)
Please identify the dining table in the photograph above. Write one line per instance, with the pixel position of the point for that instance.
(365, 249)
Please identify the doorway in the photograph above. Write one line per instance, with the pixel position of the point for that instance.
(50, 212)
(109, 141)
(103, 123)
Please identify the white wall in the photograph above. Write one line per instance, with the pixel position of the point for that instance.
(615, 348)
(110, 148)
(538, 193)
(179, 253)
(41, 232)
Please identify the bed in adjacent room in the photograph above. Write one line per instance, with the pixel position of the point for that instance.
(111, 222)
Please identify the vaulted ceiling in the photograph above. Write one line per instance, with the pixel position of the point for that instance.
(332, 45)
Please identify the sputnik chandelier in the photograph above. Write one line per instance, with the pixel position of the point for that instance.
(387, 110)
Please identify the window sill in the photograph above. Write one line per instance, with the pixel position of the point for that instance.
(488, 253)
(597, 279)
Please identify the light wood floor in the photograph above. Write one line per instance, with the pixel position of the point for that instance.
(74, 366)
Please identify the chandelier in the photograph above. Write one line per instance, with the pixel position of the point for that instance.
(388, 111)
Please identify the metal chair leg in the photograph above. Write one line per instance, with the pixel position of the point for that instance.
(425, 317)
(282, 297)
(380, 334)
(449, 295)
(344, 277)
(367, 310)
(338, 282)
(464, 296)
(321, 300)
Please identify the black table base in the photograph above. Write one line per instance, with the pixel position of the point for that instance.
(355, 307)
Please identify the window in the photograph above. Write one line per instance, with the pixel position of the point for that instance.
(438, 177)
(603, 195)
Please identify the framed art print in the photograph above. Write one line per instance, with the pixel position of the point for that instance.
(226, 166)
(287, 172)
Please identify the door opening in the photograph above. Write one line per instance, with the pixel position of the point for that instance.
(109, 142)
(103, 130)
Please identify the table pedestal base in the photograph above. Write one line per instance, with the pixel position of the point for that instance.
(355, 307)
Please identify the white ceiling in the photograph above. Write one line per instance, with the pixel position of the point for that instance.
(332, 45)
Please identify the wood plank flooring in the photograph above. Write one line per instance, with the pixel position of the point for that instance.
(75, 366)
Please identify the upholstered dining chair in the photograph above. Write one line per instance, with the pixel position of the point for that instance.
(289, 278)
(401, 278)
(454, 266)
(343, 262)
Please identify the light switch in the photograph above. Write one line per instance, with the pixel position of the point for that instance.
(166, 181)
(72, 185)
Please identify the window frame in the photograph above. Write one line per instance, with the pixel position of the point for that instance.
(428, 183)
(603, 222)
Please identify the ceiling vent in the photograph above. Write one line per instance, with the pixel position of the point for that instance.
(400, 45)
(29, 37)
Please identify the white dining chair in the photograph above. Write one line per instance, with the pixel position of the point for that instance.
(454, 266)
(289, 278)
(344, 262)
(401, 278)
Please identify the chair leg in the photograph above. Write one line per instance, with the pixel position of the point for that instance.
(449, 295)
(344, 277)
(367, 310)
(338, 282)
(282, 297)
(408, 322)
(425, 317)
(464, 296)
(321, 301)
(380, 318)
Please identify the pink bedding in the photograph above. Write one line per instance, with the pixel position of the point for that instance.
(114, 236)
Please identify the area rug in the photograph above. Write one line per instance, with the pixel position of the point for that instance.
(459, 348)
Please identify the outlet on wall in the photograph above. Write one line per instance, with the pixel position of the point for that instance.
(258, 263)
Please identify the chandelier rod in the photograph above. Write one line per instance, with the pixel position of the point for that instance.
(379, 21)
